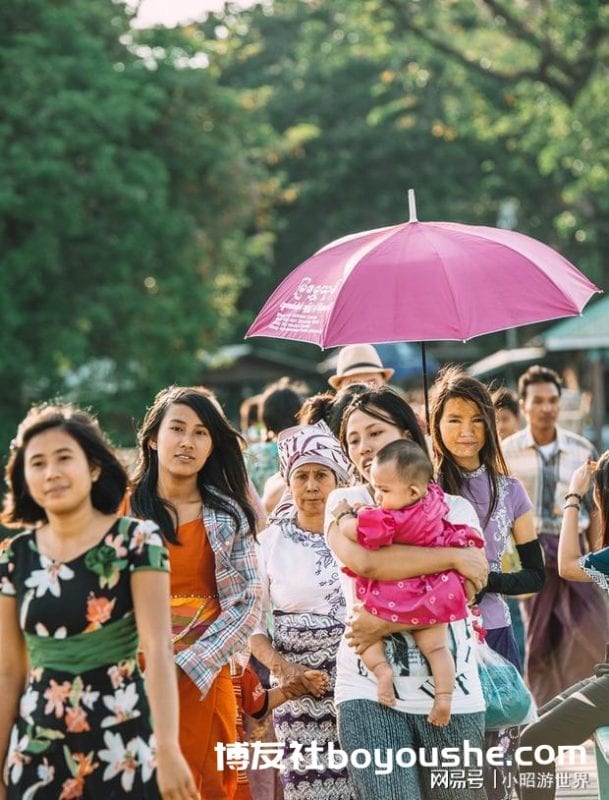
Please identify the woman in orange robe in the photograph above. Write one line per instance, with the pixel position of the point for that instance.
(191, 479)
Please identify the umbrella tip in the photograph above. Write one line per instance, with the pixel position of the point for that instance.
(412, 206)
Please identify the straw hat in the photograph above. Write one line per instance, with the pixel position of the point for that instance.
(355, 359)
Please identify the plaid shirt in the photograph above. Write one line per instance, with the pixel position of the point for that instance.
(524, 460)
(238, 588)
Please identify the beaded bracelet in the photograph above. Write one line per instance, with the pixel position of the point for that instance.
(572, 505)
(573, 494)
(349, 513)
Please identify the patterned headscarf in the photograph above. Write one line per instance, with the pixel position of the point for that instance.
(311, 444)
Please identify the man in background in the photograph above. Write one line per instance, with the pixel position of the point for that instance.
(567, 622)
(507, 412)
(359, 363)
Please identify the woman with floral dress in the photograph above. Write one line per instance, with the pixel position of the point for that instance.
(77, 591)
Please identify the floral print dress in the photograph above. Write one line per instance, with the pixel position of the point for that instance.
(83, 724)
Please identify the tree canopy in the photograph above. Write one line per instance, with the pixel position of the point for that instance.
(156, 185)
(128, 195)
(492, 111)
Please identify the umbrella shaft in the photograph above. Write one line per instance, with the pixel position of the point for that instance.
(425, 386)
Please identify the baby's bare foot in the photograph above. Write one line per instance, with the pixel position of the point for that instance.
(385, 691)
(440, 711)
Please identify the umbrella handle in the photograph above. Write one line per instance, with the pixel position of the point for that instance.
(425, 386)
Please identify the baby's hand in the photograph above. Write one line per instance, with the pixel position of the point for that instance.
(341, 507)
(470, 591)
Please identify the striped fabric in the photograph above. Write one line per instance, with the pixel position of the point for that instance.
(190, 619)
(238, 589)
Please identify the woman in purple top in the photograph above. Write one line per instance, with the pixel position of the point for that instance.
(470, 463)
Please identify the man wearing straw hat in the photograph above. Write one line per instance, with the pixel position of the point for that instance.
(359, 363)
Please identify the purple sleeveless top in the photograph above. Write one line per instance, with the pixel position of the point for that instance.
(512, 502)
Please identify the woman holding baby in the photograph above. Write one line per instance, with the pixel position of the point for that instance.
(373, 420)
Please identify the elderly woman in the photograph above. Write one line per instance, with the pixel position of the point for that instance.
(300, 586)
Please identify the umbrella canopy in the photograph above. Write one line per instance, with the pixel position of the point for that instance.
(422, 281)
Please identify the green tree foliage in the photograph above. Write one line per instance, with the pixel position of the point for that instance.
(536, 74)
(127, 209)
(156, 185)
(472, 104)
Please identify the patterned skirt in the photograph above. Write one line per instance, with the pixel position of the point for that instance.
(307, 725)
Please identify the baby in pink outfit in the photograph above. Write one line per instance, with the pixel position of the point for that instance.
(412, 511)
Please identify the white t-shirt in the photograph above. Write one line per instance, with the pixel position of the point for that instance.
(298, 573)
(548, 450)
(412, 678)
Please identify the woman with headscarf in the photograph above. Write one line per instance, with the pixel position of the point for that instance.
(300, 586)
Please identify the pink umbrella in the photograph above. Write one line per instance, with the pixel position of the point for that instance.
(422, 281)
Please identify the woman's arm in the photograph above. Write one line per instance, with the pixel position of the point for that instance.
(263, 650)
(569, 550)
(274, 488)
(294, 682)
(13, 671)
(150, 590)
(406, 561)
(532, 576)
(594, 530)
(257, 505)
(523, 529)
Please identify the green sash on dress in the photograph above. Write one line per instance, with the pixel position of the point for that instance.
(110, 644)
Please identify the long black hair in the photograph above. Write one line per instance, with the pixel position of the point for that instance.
(107, 491)
(385, 405)
(223, 474)
(454, 383)
(329, 406)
